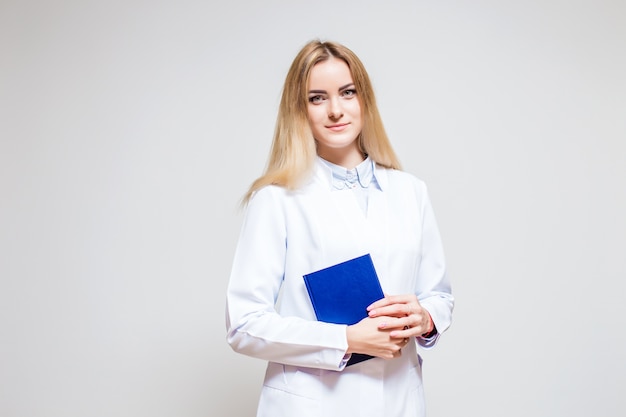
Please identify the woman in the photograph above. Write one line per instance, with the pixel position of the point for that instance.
(333, 191)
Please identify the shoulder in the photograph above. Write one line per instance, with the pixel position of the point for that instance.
(268, 195)
(265, 207)
(394, 179)
(277, 197)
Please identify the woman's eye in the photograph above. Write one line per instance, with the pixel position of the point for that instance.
(316, 99)
(349, 93)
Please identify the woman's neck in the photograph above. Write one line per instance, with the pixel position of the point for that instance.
(340, 157)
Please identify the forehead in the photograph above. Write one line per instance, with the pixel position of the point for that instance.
(332, 72)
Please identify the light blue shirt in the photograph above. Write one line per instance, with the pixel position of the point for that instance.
(359, 179)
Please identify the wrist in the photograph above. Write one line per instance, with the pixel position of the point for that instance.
(432, 330)
(429, 334)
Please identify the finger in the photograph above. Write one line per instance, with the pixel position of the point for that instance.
(383, 302)
(390, 323)
(401, 334)
(406, 332)
(392, 299)
(398, 305)
(409, 309)
(396, 310)
(396, 322)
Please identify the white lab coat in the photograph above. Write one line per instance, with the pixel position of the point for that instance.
(287, 234)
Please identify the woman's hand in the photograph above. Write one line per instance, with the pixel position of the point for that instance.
(372, 336)
(413, 319)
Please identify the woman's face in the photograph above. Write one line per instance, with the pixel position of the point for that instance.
(335, 112)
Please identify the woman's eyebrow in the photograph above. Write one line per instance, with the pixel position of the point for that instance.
(324, 91)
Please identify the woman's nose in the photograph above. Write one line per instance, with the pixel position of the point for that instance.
(334, 108)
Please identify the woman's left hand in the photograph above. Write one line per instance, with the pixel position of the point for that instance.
(414, 320)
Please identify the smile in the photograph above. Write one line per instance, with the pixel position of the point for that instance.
(338, 127)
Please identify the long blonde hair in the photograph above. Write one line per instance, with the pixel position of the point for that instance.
(293, 150)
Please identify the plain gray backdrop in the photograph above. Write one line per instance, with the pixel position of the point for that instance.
(129, 130)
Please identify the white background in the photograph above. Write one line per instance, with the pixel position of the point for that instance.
(130, 129)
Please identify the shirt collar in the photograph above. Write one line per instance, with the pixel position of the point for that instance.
(337, 177)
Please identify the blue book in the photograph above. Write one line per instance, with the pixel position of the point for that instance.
(341, 293)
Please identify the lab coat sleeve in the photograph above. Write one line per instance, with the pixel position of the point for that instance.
(434, 289)
(254, 327)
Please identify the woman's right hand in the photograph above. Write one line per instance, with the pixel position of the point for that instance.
(370, 337)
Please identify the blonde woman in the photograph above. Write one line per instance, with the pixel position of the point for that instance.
(332, 191)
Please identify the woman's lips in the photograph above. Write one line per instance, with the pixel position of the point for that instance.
(338, 127)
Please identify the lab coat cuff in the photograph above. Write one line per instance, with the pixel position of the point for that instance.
(344, 361)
